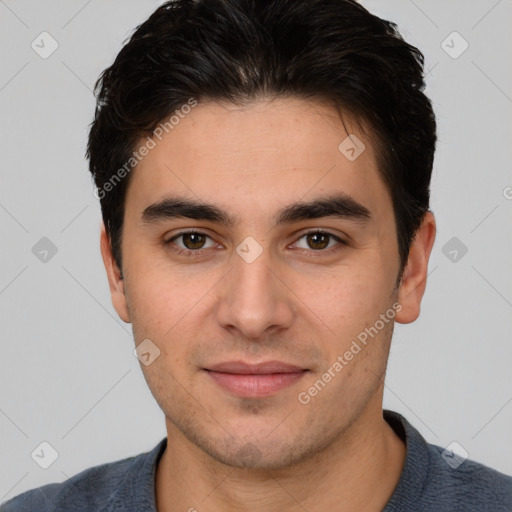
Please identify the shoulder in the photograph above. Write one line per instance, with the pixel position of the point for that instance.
(95, 488)
(90, 488)
(467, 481)
(435, 478)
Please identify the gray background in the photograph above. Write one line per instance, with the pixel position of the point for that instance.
(68, 374)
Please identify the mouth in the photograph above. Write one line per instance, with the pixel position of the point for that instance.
(255, 380)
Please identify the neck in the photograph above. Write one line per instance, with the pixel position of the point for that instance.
(359, 471)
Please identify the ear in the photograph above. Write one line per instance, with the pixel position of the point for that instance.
(414, 278)
(115, 279)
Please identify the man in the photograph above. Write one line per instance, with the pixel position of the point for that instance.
(263, 170)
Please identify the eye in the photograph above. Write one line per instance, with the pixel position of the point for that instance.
(190, 241)
(318, 241)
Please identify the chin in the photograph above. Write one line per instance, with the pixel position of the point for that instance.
(262, 452)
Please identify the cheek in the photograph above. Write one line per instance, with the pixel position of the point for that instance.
(346, 300)
(166, 303)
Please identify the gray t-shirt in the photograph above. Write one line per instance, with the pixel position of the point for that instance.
(430, 481)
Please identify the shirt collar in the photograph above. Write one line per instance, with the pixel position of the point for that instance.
(137, 490)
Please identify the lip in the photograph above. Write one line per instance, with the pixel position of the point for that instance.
(264, 368)
(255, 380)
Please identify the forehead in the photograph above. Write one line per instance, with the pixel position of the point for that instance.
(259, 156)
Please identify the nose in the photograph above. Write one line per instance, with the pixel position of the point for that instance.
(255, 299)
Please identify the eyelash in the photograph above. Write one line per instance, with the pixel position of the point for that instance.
(198, 252)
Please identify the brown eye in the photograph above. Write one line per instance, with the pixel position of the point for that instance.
(318, 241)
(191, 244)
(193, 240)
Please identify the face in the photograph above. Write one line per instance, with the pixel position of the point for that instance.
(255, 254)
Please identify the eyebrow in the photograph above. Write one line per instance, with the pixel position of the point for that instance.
(340, 205)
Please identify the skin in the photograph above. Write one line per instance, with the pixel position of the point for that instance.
(295, 303)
